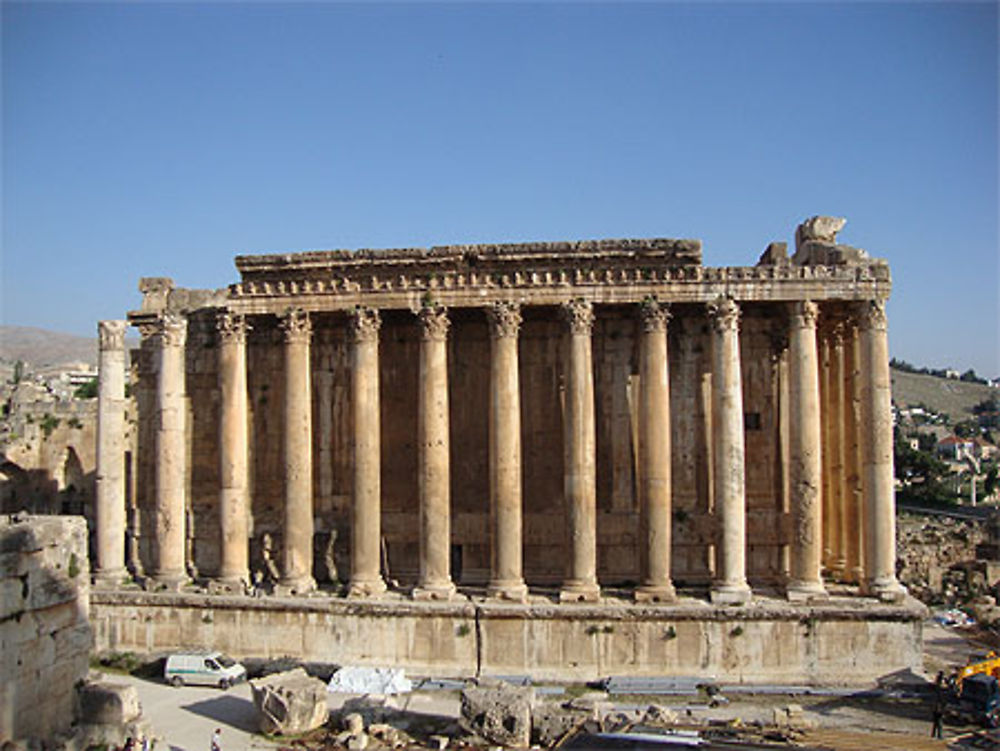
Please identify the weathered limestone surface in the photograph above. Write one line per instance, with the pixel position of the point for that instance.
(290, 703)
(45, 635)
(505, 416)
(499, 713)
(842, 641)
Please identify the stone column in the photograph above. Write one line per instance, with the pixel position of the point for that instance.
(728, 475)
(366, 510)
(171, 452)
(110, 563)
(804, 462)
(433, 465)
(234, 473)
(579, 451)
(838, 509)
(879, 492)
(296, 574)
(506, 578)
(654, 455)
(852, 492)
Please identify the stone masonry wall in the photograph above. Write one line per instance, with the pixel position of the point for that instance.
(45, 635)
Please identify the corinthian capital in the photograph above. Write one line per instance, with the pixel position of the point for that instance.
(872, 316)
(173, 330)
(111, 334)
(804, 314)
(724, 314)
(654, 315)
(296, 325)
(232, 327)
(579, 314)
(365, 323)
(504, 319)
(434, 322)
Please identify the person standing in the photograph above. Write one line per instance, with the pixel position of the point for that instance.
(217, 740)
(938, 720)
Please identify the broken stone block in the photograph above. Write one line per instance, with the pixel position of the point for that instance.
(658, 716)
(107, 704)
(289, 703)
(550, 722)
(499, 713)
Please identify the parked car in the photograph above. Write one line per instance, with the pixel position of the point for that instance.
(203, 669)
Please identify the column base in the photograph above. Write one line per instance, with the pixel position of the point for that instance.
(300, 585)
(580, 592)
(654, 593)
(510, 590)
(887, 589)
(110, 579)
(361, 588)
(169, 582)
(806, 591)
(443, 591)
(730, 594)
(225, 585)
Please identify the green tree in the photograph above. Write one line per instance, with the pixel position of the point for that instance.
(87, 390)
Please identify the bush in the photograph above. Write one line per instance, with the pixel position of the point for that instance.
(87, 390)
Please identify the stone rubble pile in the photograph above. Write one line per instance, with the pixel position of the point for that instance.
(937, 559)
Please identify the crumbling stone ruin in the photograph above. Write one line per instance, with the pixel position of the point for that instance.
(569, 421)
(45, 635)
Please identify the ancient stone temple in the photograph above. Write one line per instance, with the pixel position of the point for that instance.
(564, 431)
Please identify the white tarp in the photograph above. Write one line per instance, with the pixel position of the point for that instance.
(358, 680)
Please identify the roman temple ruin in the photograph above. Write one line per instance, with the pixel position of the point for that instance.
(539, 439)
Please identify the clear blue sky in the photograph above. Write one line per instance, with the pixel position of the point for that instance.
(162, 139)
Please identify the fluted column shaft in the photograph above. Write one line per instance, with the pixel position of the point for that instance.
(838, 506)
(366, 510)
(506, 554)
(579, 451)
(879, 494)
(171, 452)
(110, 563)
(854, 543)
(827, 458)
(728, 473)
(433, 463)
(234, 565)
(296, 572)
(654, 455)
(804, 452)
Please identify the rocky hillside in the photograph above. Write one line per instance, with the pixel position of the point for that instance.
(943, 395)
(40, 348)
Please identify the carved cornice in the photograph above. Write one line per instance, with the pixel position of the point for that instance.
(111, 335)
(434, 322)
(365, 323)
(724, 314)
(320, 276)
(654, 315)
(579, 315)
(173, 330)
(872, 316)
(232, 327)
(504, 319)
(804, 314)
(296, 325)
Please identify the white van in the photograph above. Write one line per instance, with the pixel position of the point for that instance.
(203, 669)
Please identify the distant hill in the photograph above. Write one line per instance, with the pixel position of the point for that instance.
(41, 348)
(945, 395)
